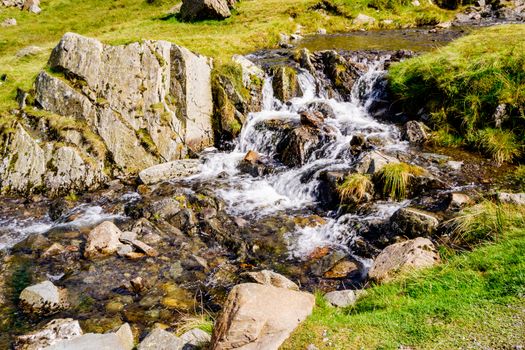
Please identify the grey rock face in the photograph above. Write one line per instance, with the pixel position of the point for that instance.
(120, 340)
(149, 102)
(194, 10)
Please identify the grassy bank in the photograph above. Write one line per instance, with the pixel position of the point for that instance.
(255, 24)
(473, 300)
(461, 87)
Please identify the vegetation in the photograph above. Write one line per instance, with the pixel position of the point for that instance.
(474, 89)
(256, 24)
(354, 188)
(395, 178)
(472, 299)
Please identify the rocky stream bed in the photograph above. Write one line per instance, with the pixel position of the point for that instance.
(268, 200)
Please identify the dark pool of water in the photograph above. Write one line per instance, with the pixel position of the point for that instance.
(401, 39)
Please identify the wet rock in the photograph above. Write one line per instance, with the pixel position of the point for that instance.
(314, 120)
(196, 10)
(195, 339)
(415, 132)
(362, 19)
(285, 83)
(160, 339)
(170, 171)
(260, 317)
(122, 339)
(230, 110)
(327, 193)
(43, 299)
(342, 269)
(401, 257)
(8, 22)
(343, 298)
(322, 107)
(51, 333)
(511, 198)
(326, 263)
(54, 250)
(103, 240)
(305, 60)
(459, 201)
(373, 162)
(252, 164)
(342, 73)
(271, 278)
(412, 223)
(33, 243)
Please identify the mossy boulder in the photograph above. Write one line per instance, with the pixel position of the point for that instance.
(285, 83)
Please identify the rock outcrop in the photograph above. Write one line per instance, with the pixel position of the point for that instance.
(195, 10)
(401, 257)
(109, 111)
(259, 316)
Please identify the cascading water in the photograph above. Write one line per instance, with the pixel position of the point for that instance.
(294, 190)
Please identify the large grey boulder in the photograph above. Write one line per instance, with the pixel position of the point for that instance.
(401, 257)
(149, 102)
(194, 10)
(51, 333)
(160, 339)
(43, 299)
(260, 317)
(412, 223)
(122, 339)
(103, 240)
(170, 171)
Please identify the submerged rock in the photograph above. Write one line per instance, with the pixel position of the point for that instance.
(195, 10)
(401, 257)
(258, 316)
(43, 299)
(51, 333)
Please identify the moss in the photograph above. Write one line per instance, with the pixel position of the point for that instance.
(146, 141)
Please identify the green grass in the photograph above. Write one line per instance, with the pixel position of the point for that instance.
(462, 84)
(473, 300)
(254, 25)
(395, 179)
(354, 188)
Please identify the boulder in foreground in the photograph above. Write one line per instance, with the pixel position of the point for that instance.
(195, 10)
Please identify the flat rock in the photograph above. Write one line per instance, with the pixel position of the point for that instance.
(257, 316)
(170, 171)
(51, 333)
(400, 257)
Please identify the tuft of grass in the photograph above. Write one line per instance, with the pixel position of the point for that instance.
(485, 221)
(442, 137)
(395, 178)
(501, 145)
(354, 188)
(201, 321)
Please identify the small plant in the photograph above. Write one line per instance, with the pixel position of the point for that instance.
(354, 188)
(499, 144)
(486, 221)
(201, 321)
(443, 138)
(396, 177)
